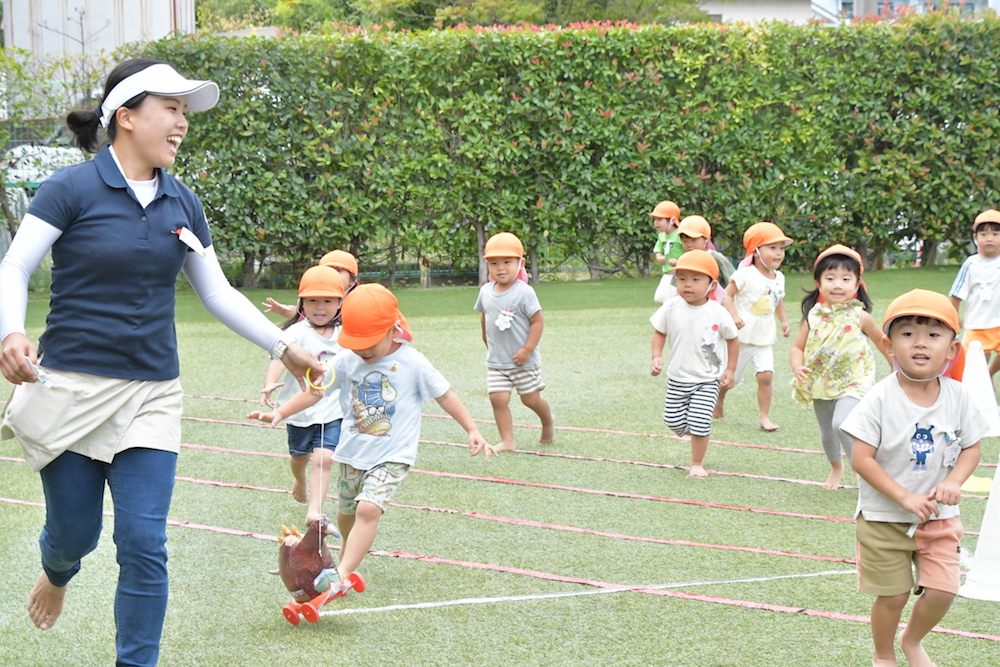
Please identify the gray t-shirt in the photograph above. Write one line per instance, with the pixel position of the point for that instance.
(508, 316)
(912, 442)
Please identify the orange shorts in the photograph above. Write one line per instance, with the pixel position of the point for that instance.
(990, 338)
(887, 557)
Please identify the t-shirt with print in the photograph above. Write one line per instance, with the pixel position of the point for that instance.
(669, 245)
(913, 443)
(381, 403)
(977, 285)
(756, 298)
(697, 336)
(508, 319)
(323, 349)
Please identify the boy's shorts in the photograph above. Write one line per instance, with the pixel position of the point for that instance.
(990, 338)
(302, 440)
(526, 379)
(377, 486)
(886, 556)
(762, 357)
(665, 290)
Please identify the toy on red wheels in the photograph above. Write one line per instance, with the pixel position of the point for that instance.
(307, 570)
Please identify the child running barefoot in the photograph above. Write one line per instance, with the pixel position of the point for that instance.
(381, 383)
(699, 360)
(977, 285)
(831, 360)
(314, 432)
(341, 260)
(668, 248)
(757, 290)
(916, 440)
(512, 327)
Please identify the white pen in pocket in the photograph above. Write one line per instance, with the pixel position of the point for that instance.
(39, 373)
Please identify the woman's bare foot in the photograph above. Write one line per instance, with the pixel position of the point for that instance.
(45, 602)
(767, 424)
(548, 435)
(299, 491)
(914, 652)
(833, 481)
(697, 471)
(506, 447)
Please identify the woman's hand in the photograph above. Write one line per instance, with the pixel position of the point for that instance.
(17, 358)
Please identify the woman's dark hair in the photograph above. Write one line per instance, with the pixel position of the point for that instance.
(85, 124)
(829, 263)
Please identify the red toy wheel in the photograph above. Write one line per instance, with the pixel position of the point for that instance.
(357, 582)
(291, 615)
(309, 612)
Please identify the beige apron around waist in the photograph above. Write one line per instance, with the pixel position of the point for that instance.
(92, 415)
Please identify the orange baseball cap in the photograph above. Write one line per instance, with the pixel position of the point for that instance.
(503, 244)
(989, 215)
(368, 313)
(763, 233)
(695, 226)
(340, 259)
(321, 281)
(700, 261)
(666, 209)
(839, 249)
(922, 303)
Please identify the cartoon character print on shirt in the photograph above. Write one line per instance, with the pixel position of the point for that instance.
(709, 346)
(504, 319)
(921, 444)
(374, 404)
(766, 304)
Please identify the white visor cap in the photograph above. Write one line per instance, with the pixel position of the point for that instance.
(164, 80)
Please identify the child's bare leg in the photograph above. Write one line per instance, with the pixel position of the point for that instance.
(319, 483)
(699, 446)
(505, 421)
(345, 522)
(764, 391)
(927, 612)
(540, 407)
(299, 487)
(719, 412)
(886, 612)
(45, 602)
(363, 531)
(836, 474)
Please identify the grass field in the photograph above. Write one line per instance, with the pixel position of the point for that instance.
(751, 567)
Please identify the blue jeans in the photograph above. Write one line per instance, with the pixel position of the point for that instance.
(141, 483)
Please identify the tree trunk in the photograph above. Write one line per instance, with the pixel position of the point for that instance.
(250, 276)
(484, 272)
(392, 262)
(928, 253)
(533, 264)
(593, 266)
(8, 215)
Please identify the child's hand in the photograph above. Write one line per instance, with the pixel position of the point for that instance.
(521, 356)
(921, 505)
(265, 398)
(738, 321)
(726, 381)
(477, 443)
(272, 418)
(801, 372)
(661, 258)
(657, 366)
(673, 262)
(786, 330)
(272, 306)
(947, 492)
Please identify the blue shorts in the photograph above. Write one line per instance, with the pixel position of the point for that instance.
(302, 440)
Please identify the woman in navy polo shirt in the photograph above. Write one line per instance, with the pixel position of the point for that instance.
(99, 401)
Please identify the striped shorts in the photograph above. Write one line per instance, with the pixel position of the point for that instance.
(689, 407)
(526, 379)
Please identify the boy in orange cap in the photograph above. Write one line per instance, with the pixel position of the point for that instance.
(696, 234)
(668, 246)
(512, 327)
(703, 351)
(977, 285)
(916, 440)
(757, 290)
(341, 260)
(382, 383)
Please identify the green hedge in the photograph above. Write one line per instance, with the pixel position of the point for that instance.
(423, 142)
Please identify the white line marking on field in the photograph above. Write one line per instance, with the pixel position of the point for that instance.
(550, 596)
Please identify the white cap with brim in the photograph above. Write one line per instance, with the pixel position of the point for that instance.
(160, 79)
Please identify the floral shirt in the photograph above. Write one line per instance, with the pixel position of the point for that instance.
(837, 353)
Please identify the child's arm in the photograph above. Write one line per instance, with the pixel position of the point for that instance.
(779, 310)
(454, 407)
(272, 306)
(733, 350)
(731, 309)
(661, 258)
(534, 335)
(659, 340)
(864, 463)
(949, 491)
(871, 330)
(955, 301)
(731, 290)
(482, 323)
(797, 355)
(271, 383)
(297, 403)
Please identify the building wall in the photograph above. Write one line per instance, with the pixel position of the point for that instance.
(90, 26)
(796, 11)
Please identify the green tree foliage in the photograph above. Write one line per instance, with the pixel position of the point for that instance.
(223, 15)
(427, 142)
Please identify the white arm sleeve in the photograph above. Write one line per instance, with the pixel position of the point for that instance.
(33, 239)
(228, 305)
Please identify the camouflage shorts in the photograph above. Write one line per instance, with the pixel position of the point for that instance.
(377, 486)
